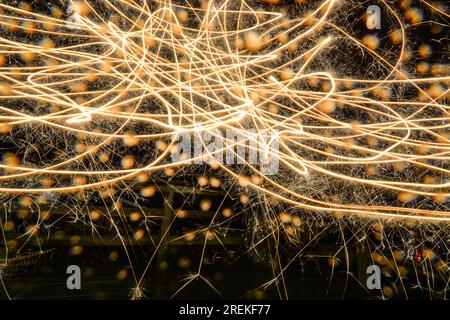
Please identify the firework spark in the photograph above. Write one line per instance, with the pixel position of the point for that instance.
(80, 94)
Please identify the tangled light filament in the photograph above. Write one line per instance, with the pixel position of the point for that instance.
(167, 67)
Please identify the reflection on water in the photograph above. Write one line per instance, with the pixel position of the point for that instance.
(106, 279)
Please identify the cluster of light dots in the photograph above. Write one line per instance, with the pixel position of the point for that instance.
(223, 75)
(227, 65)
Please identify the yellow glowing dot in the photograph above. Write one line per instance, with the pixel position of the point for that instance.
(142, 177)
(127, 162)
(9, 226)
(76, 250)
(436, 91)
(202, 181)
(95, 215)
(104, 157)
(177, 30)
(378, 226)
(440, 197)
(26, 201)
(139, 234)
(405, 4)
(113, 256)
(74, 240)
(59, 234)
(209, 235)
(399, 166)
(25, 6)
(227, 212)
(256, 179)
(244, 198)
(182, 15)
(292, 47)
(396, 36)
(410, 223)
(414, 15)
(438, 68)
(441, 265)
(406, 55)
(5, 89)
(333, 262)
(243, 180)
(424, 51)
(289, 230)
(215, 182)
(181, 213)
(106, 66)
(239, 43)
(255, 97)
(28, 56)
(148, 191)
(398, 255)
(296, 221)
(273, 108)
(423, 67)
(41, 200)
(91, 76)
(28, 27)
(135, 216)
(5, 128)
(329, 149)
(122, 274)
(371, 170)
(378, 235)
(427, 179)
(80, 147)
(56, 12)
(12, 244)
(406, 197)
(189, 236)
(371, 141)
(378, 258)
(161, 145)
(12, 25)
(130, 139)
(48, 24)
(286, 74)
(327, 106)
(214, 164)
(184, 262)
(428, 254)
(79, 180)
(382, 92)
(47, 44)
(388, 292)
(371, 42)
(422, 149)
(47, 182)
(284, 217)
(205, 204)
(81, 7)
(253, 41)
(259, 294)
(282, 37)
(32, 229)
(337, 214)
(169, 172)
